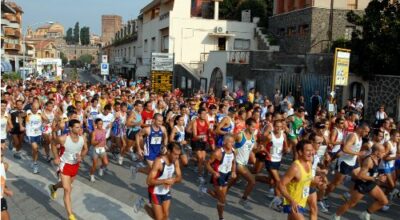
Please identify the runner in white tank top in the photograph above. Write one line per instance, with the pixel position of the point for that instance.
(164, 173)
(73, 150)
(245, 143)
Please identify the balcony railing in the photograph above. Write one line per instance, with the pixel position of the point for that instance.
(239, 57)
(12, 46)
(10, 17)
(164, 16)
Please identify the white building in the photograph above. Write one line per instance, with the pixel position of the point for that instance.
(171, 26)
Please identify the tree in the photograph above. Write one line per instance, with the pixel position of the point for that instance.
(232, 9)
(69, 38)
(376, 49)
(86, 58)
(63, 58)
(85, 36)
(76, 33)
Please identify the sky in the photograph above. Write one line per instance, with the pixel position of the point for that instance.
(86, 12)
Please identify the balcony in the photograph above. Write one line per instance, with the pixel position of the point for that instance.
(239, 57)
(12, 32)
(11, 18)
(12, 46)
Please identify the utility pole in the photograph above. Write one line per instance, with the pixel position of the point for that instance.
(330, 30)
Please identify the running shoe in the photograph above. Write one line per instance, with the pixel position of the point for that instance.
(141, 164)
(326, 202)
(276, 204)
(71, 217)
(271, 193)
(335, 217)
(101, 171)
(133, 156)
(245, 204)
(346, 196)
(92, 179)
(48, 158)
(139, 204)
(17, 155)
(202, 191)
(322, 207)
(53, 193)
(385, 208)
(35, 168)
(365, 215)
(120, 160)
(201, 180)
(394, 194)
(134, 171)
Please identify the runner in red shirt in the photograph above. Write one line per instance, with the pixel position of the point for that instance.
(147, 114)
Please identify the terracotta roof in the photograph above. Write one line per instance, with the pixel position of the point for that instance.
(43, 44)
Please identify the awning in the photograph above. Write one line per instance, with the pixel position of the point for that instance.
(221, 34)
(6, 66)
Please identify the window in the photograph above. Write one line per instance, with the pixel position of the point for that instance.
(153, 44)
(348, 32)
(352, 4)
(145, 45)
(281, 32)
(291, 31)
(134, 51)
(165, 44)
(241, 44)
(304, 29)
(129, 54)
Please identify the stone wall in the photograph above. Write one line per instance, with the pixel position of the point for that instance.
(315, 40)
(294, 43)
(384, 90)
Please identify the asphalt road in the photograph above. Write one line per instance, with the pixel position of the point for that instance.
(112, 196)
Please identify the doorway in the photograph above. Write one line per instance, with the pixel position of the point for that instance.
(221, 43)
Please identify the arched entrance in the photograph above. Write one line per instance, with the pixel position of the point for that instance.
(216, 81)
(357, 91)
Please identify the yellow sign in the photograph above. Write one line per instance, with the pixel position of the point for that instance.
(161, 81)
(341, 67)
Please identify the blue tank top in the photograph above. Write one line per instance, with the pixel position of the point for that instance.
(154, 141)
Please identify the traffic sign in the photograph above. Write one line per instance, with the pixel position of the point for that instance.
(104, 58)
(162, 62)
(104, 68)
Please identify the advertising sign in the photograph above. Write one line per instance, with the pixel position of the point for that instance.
(341, 67)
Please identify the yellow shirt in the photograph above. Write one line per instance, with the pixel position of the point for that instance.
(250, 97)
(103, 102)
(299, 190)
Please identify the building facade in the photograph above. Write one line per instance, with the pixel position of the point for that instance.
(110, 24)
(53, 30)
(181, 28)
(73, 52)
(308, 26)
(11, 37)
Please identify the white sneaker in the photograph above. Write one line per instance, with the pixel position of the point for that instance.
(133, 156)
(120, 160)
(141, 164)
(92, 179)
(271, 193)
(322, 207)
(101, 171)
(245, 204)
(202, 190)
(201, 180)
(134, 171)
(365, 215)
(276, 204)
(35, 168)
(393, 194)
(335, 217)
(139, 204)
(385, 208)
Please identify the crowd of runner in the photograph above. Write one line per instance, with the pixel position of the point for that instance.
(226, 139)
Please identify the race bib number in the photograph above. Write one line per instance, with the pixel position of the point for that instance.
(306, 192)
(100, 150)
(148, 122)
(155, 140)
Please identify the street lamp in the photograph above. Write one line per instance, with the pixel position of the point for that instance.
(24, 41)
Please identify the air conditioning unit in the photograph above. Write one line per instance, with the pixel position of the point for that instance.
(219, 30)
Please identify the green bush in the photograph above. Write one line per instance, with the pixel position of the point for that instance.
(11, 76)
